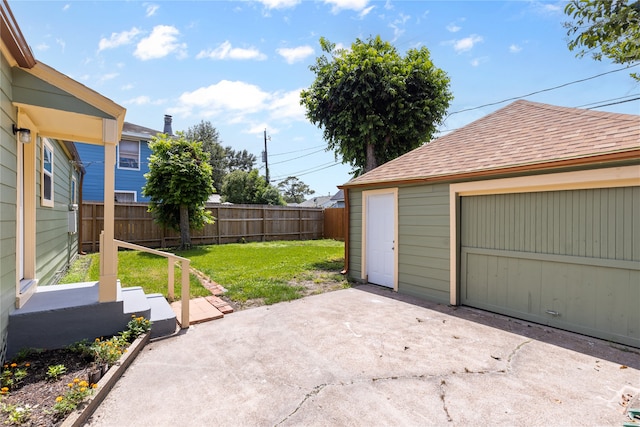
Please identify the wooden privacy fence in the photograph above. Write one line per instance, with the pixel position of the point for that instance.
(334, 226)
(234, 223)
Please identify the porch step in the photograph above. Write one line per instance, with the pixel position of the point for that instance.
(163, 318)
(134, 302)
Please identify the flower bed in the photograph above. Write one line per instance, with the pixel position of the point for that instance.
(55, 387)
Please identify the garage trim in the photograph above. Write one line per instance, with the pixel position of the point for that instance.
(625, 176)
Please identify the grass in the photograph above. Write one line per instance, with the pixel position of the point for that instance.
(135, 269)
(266, 271)
(271, 271)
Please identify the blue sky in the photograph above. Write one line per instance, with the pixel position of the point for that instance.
(241, 64)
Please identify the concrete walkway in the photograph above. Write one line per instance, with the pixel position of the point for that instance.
(367, 357)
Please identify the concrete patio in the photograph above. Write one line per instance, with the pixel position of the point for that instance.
(365, 356)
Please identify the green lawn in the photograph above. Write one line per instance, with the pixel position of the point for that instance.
(267, 271)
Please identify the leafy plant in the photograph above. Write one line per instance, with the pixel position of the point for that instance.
(13, 374)
(77, 392)
(17, 414)
(137, 326)
(108, 351)
(55, 371)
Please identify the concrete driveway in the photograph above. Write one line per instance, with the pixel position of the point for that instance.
(364, 357)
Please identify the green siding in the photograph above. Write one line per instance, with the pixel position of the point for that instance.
(423, 247)
(8, 197)
(568, 259)
(355, 234)
(55, 246)
(601, 223)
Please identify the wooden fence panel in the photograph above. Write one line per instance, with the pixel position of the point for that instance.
(334, 227)
(234, 223)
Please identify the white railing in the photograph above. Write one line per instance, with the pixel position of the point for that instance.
(171, 259)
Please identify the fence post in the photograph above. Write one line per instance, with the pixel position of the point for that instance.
(170, 280)
(185, 294)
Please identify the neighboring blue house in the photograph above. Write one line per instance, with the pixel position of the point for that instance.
(131, 164)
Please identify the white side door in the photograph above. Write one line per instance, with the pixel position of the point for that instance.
(380, 239)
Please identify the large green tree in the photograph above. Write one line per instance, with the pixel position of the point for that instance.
(609, 28)
(374, 104)
(178, 184)
(223, 160)
(293, 190)
(249, 188)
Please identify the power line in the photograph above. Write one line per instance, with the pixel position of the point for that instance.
(614, 103)
(298, 151)
(540, 91)
(299, 157)
(310, 170)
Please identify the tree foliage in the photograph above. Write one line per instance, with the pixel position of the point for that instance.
(223, 160)
(609, 28)
(249, 188)
(178, 184)
(373, 104)
(293, 190)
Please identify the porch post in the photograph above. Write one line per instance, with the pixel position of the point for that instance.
(109, 270)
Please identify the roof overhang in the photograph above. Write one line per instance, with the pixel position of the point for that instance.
(604, 160)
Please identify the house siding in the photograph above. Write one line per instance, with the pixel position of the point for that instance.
(423, 240)
(8, 198)
(92, 157)
(56, 247)
(423, 234)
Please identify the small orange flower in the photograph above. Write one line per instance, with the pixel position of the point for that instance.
(13, 365)
(83, 389)
(70, 385)
(83, 384)
(94, 385)
(59, 399)
(76, 380)
(27, 365)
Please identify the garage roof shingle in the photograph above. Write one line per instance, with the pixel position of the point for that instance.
(520, 134)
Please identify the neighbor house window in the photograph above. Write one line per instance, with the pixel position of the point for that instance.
(129, 155)
(46, 183)
(126, 196)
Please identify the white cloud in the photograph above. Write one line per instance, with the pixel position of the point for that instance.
(453, 28)
(467, 43)
(514, 48)
(279, 4)
(398, 26)
(62, 43)
(109, 76)
(151, 9)
(66, 7)
(475, 62)
(226, 51)
(295, 54)
(365, 12)
(128, 86)
(118, 39)
(162, 42)
(139, 100)
(287, 106)
(356, 5)
(224, 96)
(42, 47)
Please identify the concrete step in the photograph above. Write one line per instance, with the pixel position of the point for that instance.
(163, 318)
(134, 302)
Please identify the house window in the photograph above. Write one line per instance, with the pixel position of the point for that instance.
(46, 183)
(129, 155)
(126, 196)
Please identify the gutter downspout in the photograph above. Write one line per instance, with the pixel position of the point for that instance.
(345, 220)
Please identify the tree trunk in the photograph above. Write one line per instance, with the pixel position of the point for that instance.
(371, 158)
(185, 235)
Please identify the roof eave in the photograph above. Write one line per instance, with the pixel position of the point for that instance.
(486, 173)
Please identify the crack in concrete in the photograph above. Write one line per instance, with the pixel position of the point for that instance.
(515, 350)
(317, 389)
(443, 398)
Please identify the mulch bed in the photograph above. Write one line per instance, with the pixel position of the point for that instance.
(40, 393)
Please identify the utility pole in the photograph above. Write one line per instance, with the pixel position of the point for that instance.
(265, 157)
